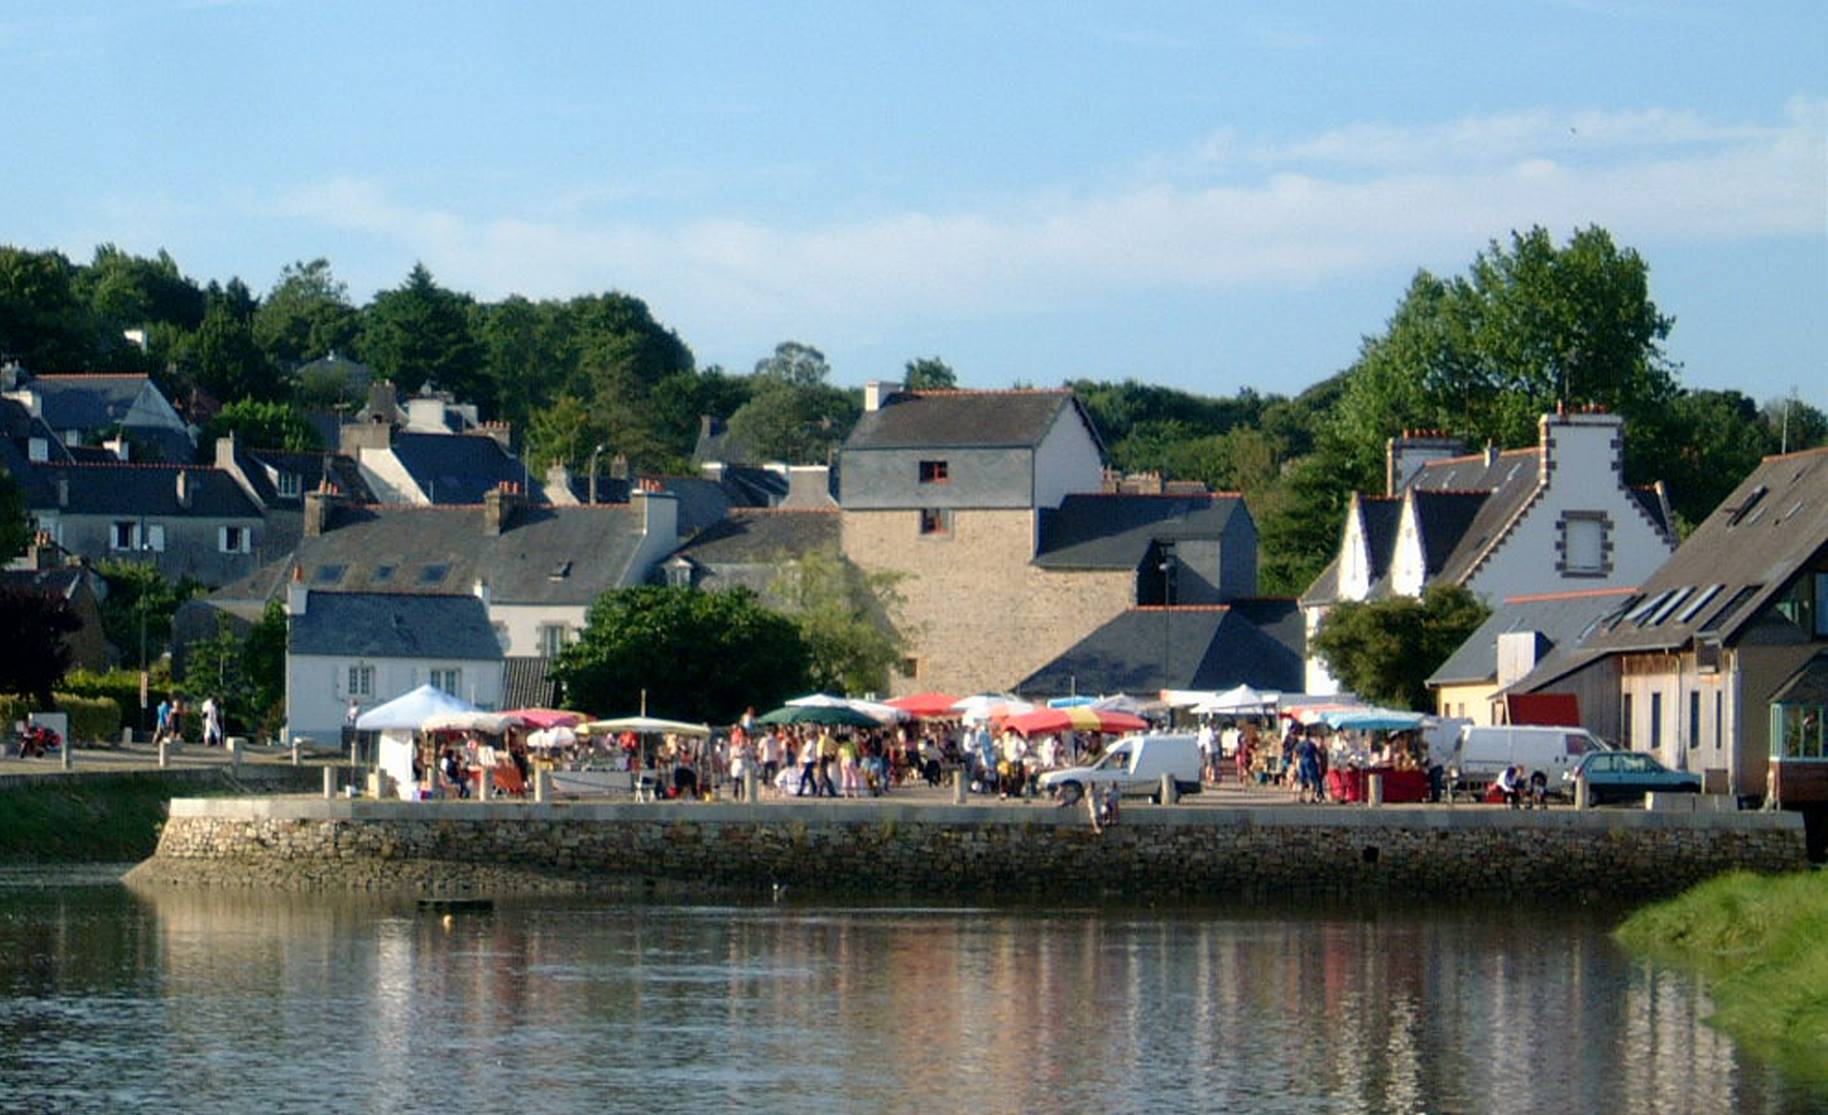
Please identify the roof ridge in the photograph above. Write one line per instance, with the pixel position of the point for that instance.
(1797, 453)
(1453, 491)
(956, 392)
(149, 465)
(1570, 594)
(1179, 608)
(91, 375)
(1156, 495)
(785, 510)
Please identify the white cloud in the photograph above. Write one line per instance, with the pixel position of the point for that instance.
(1294, 214)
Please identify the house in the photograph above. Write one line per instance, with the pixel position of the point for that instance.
(1557, 517)
(47, 568)
(540, 566)
(750, 548)
(1520, 632)
(1691, 665)
(276, 480)
(188, 520)
(1149, 648)
(97, 409)
(1008, 540)
(370, 647)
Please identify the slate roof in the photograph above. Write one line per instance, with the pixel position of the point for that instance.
(715, 442)
(394, 625)
(133, 490)
(1256, 642)
(1807, 686)
(1560, 617)
(87, 402)
(61, 581)
(548, 555)
(1117, 531)
(754, 535)
(459, 468)
(310, 467)
(964, 420)
(525, 684)
(1446, 518)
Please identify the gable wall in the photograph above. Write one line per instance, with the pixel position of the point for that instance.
(1067, 461)
(890, 478)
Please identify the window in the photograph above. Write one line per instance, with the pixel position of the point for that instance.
(361, 681)
(1585, 550)
(328, 574)
(934, 472)
(1694, 719)
(679, 575)
(124, 535)
(935, 522)
(1656, 721)
(288, 485)
(909, 667)
(432, 574)
(235, 540)
(552, 639)
(383, 574)
(1718, 724)
(1699, 603)
(502, 638)
(451, 681)
(1804, 603)
(1625, 721)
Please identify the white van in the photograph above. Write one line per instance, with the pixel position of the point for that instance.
(1135, 764)
(1482, 753)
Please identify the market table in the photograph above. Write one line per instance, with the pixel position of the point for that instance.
(1353, 785)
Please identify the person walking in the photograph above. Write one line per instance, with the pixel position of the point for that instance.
(809, 767)
(212, 722)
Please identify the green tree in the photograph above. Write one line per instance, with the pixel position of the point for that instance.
(264, 658)
(217, 667)
(1717, 439)
(306, 315)
(1795, 424)
(44, 321)
(792, 414)
(222, 358)
(697, 655)
(15, 521)
(563, 433)
(848, 618)
(136, 590)
(1385, 649)
(420, 331)
(1531, 324)
(929, 373)
(34, 654)
(262, 425)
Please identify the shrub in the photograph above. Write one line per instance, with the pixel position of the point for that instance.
(120, 686)
(13, 709)
(92, 719)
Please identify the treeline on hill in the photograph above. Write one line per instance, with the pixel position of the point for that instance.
(1483, 354)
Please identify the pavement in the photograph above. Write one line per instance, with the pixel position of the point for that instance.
(130, 757)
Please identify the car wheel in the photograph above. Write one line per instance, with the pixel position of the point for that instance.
(1071, 793)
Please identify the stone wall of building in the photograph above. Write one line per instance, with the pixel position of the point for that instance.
(980, 615)
(875, 848)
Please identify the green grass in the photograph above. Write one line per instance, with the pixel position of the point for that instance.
(1761, 942)
(95, 819)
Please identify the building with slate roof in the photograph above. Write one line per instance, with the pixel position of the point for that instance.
(91, 408)
(1558, 517)
(189, 520)
(993, 511)
(1520, 632)
(47, 568)
(750, 548)
(1695, 658)
(370, 647)
(1148, 649)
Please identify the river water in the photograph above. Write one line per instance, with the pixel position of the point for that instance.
(116, 1000)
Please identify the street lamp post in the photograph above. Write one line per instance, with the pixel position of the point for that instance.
(145, 678)
(594, 453)
(1167, 568)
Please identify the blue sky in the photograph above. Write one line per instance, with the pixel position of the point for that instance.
(1205, 195)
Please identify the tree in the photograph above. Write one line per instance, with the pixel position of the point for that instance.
(420, 331)
(222, 358)
(564, 433)
(1716, 439)
(929, 373)
(848, 618)
(15, 522)
(306, 315)
(265, 425)
(136, 591)
(1385, 649)
(696, 655)
(264, 655)
(1795, 424)
(792, 414)
(1484, 355)
(34, 654)
(43, 320)
(216, 667)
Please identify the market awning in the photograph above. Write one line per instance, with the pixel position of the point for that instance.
(410, 711)
(1081, 718)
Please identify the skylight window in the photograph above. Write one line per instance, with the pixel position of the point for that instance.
(1744, 509)
(1698, 603)
(1642, 612)
(328, 574)
(560, 571)
(383, 573)
(1738, 601)
(432, 574)
(1662, 613)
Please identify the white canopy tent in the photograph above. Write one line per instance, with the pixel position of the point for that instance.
(409, 712)
(1239, 700)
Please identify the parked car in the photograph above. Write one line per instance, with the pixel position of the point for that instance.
(1628, 776)
(1135, 765)
(1483, 752)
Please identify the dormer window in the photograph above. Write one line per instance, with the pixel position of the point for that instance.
(288, 485)
(935, 472)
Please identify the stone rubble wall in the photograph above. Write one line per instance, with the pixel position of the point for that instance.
(939, 851)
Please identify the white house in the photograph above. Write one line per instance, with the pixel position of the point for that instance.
(1555, 518)
(370, 647)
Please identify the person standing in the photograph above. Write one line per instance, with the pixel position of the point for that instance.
(212, 722)
(809, 767)
(164, 721)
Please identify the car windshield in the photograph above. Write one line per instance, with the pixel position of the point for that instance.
(1639, 764)
(1114, 760)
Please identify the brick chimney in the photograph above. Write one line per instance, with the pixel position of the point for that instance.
(558, 486)
(1404, 456)
(659, 512)
(502, 432)
(318, 506)
(298, 597)
(618, 467)
(498, 509)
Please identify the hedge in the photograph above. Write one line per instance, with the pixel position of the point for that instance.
(121, 686)
(92, 719)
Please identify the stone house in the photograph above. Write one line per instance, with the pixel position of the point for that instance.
(370, 647)
(991, 509)
(1558, 517)
(1690, 664)
(188, 520)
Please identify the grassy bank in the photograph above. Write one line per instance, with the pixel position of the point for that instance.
(1762, 944)
(105, 818)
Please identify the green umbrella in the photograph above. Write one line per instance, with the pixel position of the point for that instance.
(820, 714)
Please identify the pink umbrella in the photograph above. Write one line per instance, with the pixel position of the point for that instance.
(547, 717)
(1082, 718)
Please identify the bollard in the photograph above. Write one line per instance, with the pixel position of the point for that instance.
(1582, 796)
(958, 786)
(234, 754)
(164, 754)
(329, 783)
(485, 785)
(1169, 793)
(64, 756)
(1374, 790)
(374, 785)
(126, 736)
(294, 752)
(542, 785)
(355, 753)
(751, 783)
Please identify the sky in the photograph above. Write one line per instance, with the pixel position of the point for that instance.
(1206, 196)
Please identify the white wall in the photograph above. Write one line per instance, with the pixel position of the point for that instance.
(388, 478)
(523, 622)
(1317, 680)
(1408, 560)
(1067, 461)
(317, 696)
(1354, 579)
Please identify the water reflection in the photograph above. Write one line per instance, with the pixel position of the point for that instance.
(111, 1000)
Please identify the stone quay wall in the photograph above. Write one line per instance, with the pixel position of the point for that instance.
(876, 848)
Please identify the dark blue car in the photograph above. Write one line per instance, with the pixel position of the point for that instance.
(1628, 776)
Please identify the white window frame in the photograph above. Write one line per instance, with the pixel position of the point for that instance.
(453, 675)
(361, 680)
(552, 638)
(114, 535)
(244, 540)
(288, 484)
(1594, 531)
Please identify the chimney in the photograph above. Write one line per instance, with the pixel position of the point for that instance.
(502, 432)
(659, 513)
(498, 510)
(618, 467)
(298, 597)
(353, 437)
(1585, 444)
(1491, 454)
(225, 451)
(184, 485)
(1404, 456)
(119, 447)
(318, 506)
(558, 486)
(876, 392)
(809, 486)
(42, 554)
(481, 589)
(712, 471)
(383, 402)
